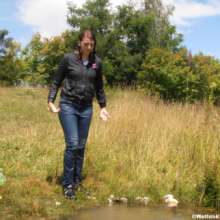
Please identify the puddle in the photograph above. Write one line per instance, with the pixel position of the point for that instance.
(133, 213)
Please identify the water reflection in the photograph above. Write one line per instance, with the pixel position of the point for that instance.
(133, 213)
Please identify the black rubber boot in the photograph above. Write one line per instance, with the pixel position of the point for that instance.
(77, 178)
(69, 166)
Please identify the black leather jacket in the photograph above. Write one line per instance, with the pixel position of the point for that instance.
(80, 83)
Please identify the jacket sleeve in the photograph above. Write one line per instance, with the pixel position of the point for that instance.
(100, 94)
(57, 79)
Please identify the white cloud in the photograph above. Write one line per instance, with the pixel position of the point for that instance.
(187, 10)
(45, 16)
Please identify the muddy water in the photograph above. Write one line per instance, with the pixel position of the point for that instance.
(133, 213)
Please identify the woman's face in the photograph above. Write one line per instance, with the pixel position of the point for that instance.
(87, 46)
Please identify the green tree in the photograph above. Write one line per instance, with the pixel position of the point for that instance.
(32, 58)
(4, 43)
(52, 52)
(207, 72)
(163, 34)
(180, 76)
(11, 65)
(42, 55)
(166, 74)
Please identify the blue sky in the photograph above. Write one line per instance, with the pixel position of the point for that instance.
(9, 20)
(197, 20)
(204, 36)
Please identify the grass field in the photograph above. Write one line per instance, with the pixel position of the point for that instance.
(147, 148)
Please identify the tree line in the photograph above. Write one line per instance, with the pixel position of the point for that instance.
(139, 47)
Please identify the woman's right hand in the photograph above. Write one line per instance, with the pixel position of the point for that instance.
(53, 108)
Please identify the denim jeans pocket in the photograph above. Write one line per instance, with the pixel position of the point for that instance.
(66, 108)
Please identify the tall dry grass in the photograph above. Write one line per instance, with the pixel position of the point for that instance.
(147, 148)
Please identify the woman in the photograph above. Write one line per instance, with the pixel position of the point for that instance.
(81, 72)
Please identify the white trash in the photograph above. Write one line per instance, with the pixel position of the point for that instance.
(2, 177)
(142, 200)
(170, 201)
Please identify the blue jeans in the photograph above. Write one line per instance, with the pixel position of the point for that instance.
(75, 120)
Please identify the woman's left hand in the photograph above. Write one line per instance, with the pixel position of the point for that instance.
(104, 115)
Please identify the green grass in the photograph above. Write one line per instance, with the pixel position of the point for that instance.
(147, 148)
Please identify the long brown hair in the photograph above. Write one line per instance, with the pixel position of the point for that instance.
(90, 34)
